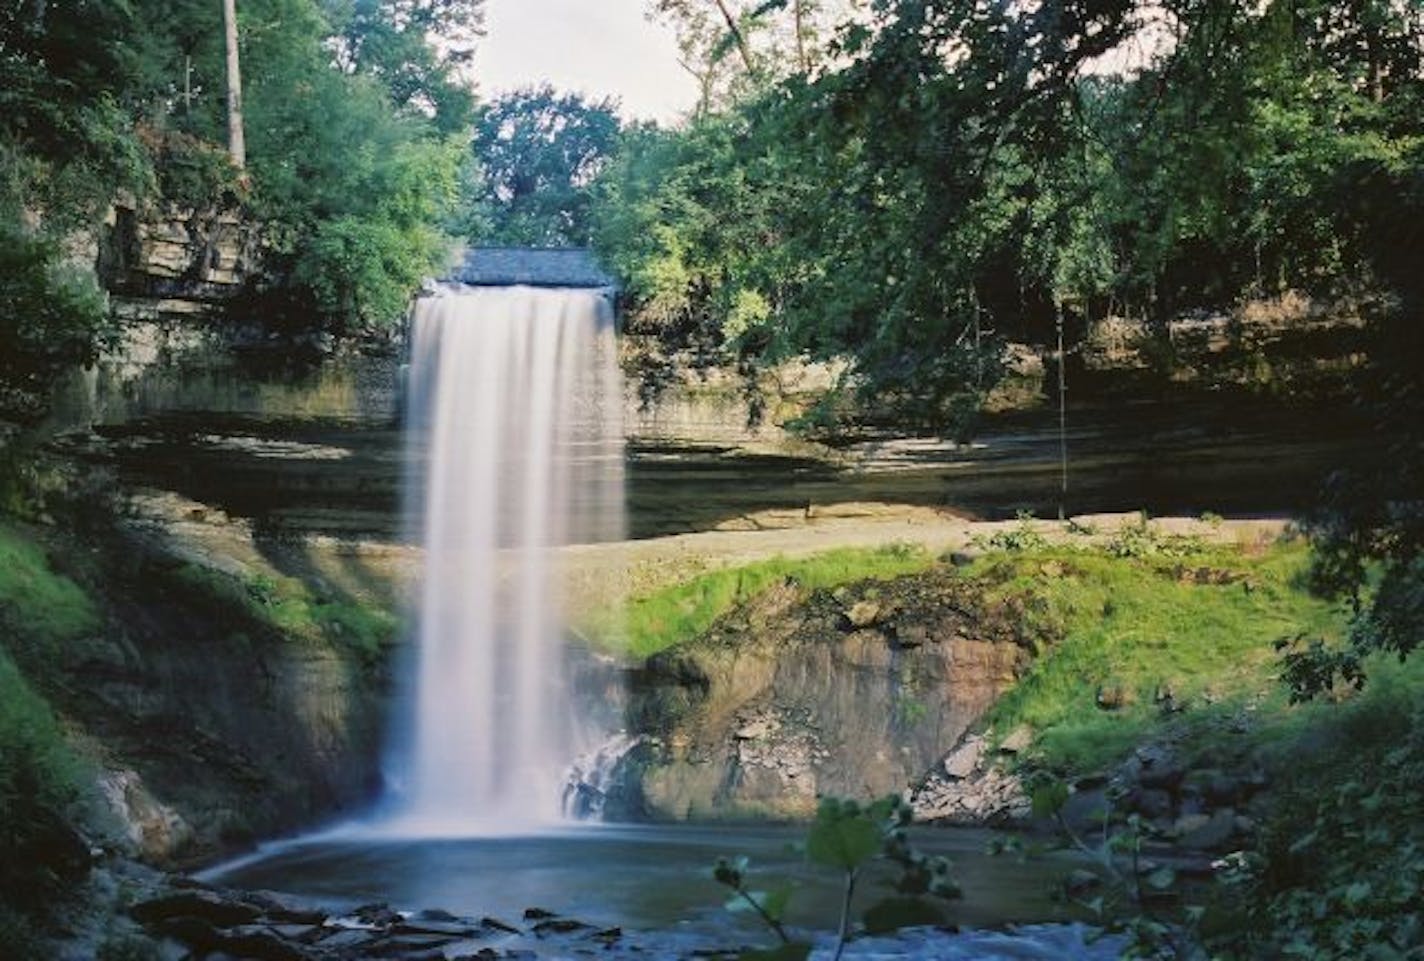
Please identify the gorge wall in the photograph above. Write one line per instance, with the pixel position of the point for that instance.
(856, 692)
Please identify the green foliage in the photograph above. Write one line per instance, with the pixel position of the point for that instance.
(52, 317)
(355, 116)
(353, 187)
(38, 778)
(537, 153)
(1190, 624)
(1023, 536)
(40, 609)
(908, 208)
(845, 837)
(1340, 865)
(672, 615)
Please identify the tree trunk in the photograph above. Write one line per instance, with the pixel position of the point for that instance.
(236, 145)
(801, 57)
(736, 32)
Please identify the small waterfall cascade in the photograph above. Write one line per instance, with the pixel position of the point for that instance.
(514, 413)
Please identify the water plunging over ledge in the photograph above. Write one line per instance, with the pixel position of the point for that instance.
(514, 414)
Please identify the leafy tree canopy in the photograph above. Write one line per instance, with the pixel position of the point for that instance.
(535, 155)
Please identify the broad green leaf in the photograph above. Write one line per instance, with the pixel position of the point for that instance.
(844, 842)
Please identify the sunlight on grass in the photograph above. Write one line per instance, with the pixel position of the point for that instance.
(1194, 628)
(681, 612)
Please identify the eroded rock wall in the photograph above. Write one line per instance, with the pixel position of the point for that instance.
(854, 693)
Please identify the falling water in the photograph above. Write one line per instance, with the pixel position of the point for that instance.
(515, 395)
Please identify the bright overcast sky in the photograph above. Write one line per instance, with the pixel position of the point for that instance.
(596, 47)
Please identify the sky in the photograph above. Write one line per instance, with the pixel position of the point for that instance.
(596, 47)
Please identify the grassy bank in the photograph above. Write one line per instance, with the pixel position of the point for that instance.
(1146, 629)
(678, 613)
(41, 611)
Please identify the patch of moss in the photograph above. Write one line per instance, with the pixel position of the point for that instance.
(39, 607)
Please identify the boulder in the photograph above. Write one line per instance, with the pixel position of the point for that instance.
(208, 906)
(1219, 828)
(964, 760)
(863, 614)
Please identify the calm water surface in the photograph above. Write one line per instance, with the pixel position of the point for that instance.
(639, 877)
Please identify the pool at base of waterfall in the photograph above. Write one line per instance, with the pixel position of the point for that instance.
(654, 883)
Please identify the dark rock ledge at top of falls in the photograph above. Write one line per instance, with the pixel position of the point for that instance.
(532, 266)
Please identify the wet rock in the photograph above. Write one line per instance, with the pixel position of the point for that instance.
(380, 915)
(538, 914)
(347, 939)
(560, 926)
(1085, 809)
(301, 933)
(286, 909)
(452, 929)
(433, 914)
(196, 903)
(1155, 767)
(912, 636)
(200, 935)
(262, 944)
(1188, 823)
(1152, 803)
(495, 924)
(406, 946)
(1215, 833)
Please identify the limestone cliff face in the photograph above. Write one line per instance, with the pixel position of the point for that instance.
(855, 693)
(232, 690)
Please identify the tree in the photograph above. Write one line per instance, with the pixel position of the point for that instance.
(420, 50)
(537, 153)
(736, 48)
(235, 143)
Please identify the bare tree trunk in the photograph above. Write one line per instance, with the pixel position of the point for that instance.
(236, 145)
(801, 37)
(736, 33)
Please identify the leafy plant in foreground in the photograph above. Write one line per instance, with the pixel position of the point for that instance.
(847, 836)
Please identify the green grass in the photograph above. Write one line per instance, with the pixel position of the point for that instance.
(681, 612)
(37, 605)
(38, 778)
(1142, 623)
(295, 609)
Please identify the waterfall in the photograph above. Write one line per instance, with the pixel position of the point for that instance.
(515, 397)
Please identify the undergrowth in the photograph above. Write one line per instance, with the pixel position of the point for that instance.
(39, 607)
(683, 611)
(1135, 630)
